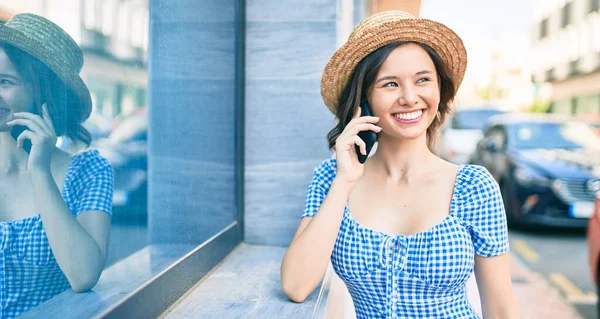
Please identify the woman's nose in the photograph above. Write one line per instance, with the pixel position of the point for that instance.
(408, 96)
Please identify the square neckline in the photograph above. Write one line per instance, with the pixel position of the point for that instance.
(450, 214)
(62, 192)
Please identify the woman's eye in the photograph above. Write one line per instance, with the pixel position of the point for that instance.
(423, 80)
(390, 84)
(5, 82)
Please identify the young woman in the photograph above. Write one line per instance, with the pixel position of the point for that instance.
(55, 208)
(406, 229)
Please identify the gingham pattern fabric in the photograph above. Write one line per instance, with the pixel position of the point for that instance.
(29, 274)
(421, 275)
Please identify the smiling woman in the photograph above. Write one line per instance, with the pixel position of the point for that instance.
(55, 207)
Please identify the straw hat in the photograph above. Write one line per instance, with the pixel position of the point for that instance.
(384, 28)
(51, 45)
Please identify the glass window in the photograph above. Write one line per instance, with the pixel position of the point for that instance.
(548, 135)
(593, 5)
(566, 14)
(472, 119)
(544, 28)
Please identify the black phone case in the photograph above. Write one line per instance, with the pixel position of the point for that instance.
(369, 137)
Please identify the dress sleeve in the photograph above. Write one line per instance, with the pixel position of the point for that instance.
(95, 185)
(483, 212)
(319, 186)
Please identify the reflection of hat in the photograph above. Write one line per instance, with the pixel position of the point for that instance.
(384, 28)
(51, 45)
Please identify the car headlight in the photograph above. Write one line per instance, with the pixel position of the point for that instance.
(528, 178)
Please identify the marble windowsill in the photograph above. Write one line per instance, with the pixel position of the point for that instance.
(246, 285)
(115, 284)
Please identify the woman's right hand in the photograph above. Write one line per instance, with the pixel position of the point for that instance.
(349, 169)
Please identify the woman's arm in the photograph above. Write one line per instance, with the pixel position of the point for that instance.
(495, 287)
(307, 258)
(80, 243)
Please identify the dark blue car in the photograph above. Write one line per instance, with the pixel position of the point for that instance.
(548, 168)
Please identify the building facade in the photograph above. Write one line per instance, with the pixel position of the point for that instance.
(113, 35)
(566, 54)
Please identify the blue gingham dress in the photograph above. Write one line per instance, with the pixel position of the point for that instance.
(29, 274)
(421, 275)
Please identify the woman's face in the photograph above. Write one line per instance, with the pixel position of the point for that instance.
(15, 94)
(406, 93)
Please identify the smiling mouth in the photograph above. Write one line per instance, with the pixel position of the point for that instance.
(408, 116)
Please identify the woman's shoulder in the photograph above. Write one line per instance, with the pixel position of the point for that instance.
(474, 176)
(87, 164)
(90, 160)
(326, 170)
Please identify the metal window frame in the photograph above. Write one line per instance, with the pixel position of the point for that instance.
(162, 291)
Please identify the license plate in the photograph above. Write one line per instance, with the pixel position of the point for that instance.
(581, 210)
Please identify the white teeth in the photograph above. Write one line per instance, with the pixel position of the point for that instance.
(409, 116)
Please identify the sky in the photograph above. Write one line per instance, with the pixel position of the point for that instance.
(485, 25)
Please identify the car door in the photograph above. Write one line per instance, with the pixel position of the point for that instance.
(489, 148)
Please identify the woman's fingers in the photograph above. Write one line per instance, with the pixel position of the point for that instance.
(31, 125)
(357, 113)
(26, 135)
(38, 120)
(365, 127)
(362, 124)
(358, 141)
(47, 118)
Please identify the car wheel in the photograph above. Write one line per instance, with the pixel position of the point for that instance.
(511, 206)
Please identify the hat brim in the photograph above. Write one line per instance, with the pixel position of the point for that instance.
(70, 77)
(445, 42)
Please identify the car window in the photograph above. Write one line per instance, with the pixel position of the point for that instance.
(472, 119)
(567, 135)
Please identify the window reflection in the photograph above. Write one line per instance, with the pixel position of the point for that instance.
(86, 169)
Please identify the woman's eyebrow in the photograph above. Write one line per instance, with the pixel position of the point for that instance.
(393, 77)
(423, 72)
(387, 77)
(10, 75)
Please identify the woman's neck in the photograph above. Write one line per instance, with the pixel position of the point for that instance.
(12, 159)
(402, 160)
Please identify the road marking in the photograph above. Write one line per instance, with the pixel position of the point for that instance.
(572, 293)
(525, 251)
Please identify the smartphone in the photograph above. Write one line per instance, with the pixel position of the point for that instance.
(369, 137)
(16, 131)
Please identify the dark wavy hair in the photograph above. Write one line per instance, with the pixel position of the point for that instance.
(63, 104)
(363, 77)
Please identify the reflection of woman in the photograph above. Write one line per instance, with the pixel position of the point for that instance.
(54, 207)
(405, 230)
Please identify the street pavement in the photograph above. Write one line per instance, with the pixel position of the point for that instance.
(559, 258)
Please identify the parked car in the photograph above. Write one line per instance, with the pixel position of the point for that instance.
(126, 149)
(459, 137)
(593, 240)
(548, 168)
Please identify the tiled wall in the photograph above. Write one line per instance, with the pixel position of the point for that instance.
(191, 151)
(288, 44)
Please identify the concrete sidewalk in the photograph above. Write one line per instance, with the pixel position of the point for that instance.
(535, 296)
